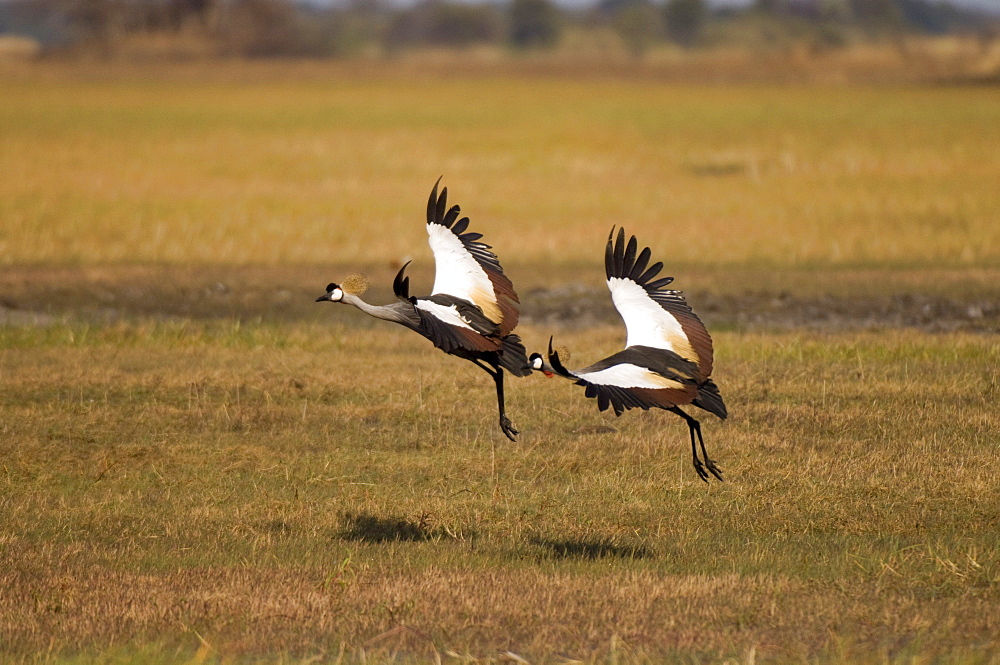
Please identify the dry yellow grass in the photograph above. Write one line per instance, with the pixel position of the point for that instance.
(191, 467)
(165, 484)
(270, 166)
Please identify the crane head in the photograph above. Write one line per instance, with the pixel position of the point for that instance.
(539, 365)
(355, 285)
(554, 364)
(333, 293)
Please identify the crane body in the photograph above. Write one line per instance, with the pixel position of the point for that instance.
(472, 310)
(668, 356)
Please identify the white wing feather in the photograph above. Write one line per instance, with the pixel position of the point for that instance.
(629, 376)
(647, 323)
(456, 272)
(443, 313)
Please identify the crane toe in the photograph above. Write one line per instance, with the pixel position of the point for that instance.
(706, 467)
(700, 469)
(507, 428)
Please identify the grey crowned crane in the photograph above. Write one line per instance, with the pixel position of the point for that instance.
(472, 309)
(667, 361)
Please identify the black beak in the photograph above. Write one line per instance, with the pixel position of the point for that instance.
(325, 296)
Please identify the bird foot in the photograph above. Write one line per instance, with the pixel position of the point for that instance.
(716, 471)
(710, 466)
(507, 428)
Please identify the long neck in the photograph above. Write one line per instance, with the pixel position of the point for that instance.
(385, 312)
(556, 367)
(566, 374)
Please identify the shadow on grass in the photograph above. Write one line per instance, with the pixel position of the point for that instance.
(591, 549)
(367, 528)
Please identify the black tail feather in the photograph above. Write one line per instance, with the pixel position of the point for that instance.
(514, 357)
(710, 399)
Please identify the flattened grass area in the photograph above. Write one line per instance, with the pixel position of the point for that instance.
(197, 462)
(295, 492)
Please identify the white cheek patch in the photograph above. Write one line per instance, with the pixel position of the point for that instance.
(629, 376)
(443, 313)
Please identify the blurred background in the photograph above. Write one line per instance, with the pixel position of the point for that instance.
(797, 161)
(958, 36)
(199, 463)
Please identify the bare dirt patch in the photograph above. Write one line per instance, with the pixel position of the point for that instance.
(745, 299)
(783, 310)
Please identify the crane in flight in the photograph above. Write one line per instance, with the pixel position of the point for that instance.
(667, 360)
(472, 310)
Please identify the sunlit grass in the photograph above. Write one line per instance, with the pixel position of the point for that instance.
(237, 482)
(198, 463)
(271, 168)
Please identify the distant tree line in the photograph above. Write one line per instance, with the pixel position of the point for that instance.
(275, 28)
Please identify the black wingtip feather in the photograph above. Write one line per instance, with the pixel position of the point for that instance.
(602, 400)
(640, 264)
(659, 284)
(442, 204)
(401, 284)
(653, 271)
(609, 263)
(432, 201)
(620, 252)
(629, 259)
(620, 260)
(451, 216)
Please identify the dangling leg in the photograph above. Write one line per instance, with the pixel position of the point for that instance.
(709, 463)
(496, 372)
(698, 466)
(506, 426)
(694, 427)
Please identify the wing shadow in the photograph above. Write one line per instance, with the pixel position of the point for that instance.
(368, 528)
(591, 549)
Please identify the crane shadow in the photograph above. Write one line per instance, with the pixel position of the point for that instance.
(591, 549)
(368, 528)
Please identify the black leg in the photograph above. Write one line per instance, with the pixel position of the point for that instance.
(709, 463)
(698, 466)
(506, 426)
(478, 363)
(694, 427)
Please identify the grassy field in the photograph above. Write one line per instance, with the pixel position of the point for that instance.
(174, 485)
(261, 166)
(192, 471)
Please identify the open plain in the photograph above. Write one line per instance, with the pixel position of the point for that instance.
(200, 464)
